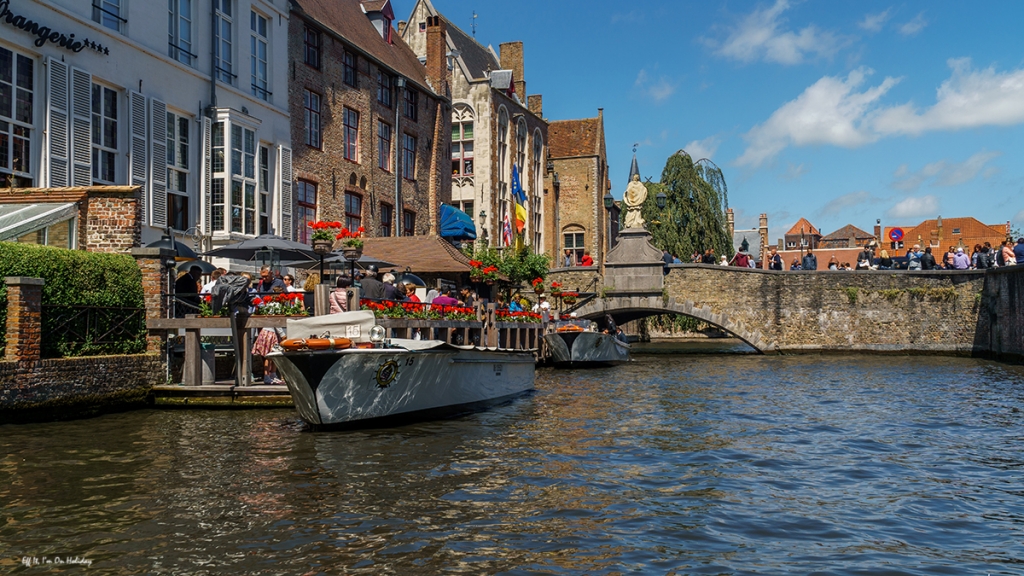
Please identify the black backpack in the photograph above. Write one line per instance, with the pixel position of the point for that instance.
(984, 260)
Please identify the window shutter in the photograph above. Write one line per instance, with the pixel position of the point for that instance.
(81, 127)
(57, 115)
(139, 163)
(158, 163)
(286, 191)
(207, 177)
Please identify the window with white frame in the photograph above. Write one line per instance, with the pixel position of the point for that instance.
(462, 143)
(223, 41)
(104, 134)
(179, 31)
(258, 59)
(264, 190)
(305, 193)
(217, 184)
(108, 13)
(178, 171)
(243, 180)
(17, 73)
(234, 205)
(574, 242)
(408, 157)
(311, 117)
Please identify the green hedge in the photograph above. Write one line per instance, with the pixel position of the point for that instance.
(77, 278)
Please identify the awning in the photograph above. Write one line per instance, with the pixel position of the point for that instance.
(456, 224)
(16, 220)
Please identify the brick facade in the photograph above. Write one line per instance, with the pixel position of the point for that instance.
(326, 167)
(155, 264)
(109, 217)
(24, 320)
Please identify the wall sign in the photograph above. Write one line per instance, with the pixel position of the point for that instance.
(896, 234)
(44, 34)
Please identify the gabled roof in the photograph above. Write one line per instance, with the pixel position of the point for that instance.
(846, 232)
(346, 18)
(479, 61)
(971, 230)
(422, 254)
(569, 138)
(808, 228)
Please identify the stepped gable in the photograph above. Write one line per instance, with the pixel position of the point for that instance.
(571, 138)
(808, 228)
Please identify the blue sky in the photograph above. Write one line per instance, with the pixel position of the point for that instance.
(840, 112)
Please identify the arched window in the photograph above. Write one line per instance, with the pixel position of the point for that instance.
(503, 168)
(521, 131)
(537, 178)
(462, 140)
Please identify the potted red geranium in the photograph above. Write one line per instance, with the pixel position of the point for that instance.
(351, 242)
(322, 238)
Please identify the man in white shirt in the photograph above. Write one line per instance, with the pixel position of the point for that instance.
(541, 305)
(208, 287)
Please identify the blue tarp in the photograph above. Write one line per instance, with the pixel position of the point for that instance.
(456, 224)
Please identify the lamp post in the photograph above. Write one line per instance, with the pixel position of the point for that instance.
(661, 200)
(399, 96)
(483, 225)
(609, 201)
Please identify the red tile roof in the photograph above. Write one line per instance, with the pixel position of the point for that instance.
(426, 254)
(569, 138)
(808, 228)
(346, 18)
(971, 232)
(846, 232)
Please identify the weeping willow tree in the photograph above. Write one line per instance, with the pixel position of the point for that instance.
(693, 219)
(694, 215)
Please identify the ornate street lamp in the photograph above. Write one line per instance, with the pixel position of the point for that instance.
(609, 201)
(661, 198)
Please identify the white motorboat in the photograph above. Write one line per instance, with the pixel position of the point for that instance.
(573, 344)
(392, 381)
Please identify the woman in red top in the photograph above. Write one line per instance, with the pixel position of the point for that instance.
(586, 260)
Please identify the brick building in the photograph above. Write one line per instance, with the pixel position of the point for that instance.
(578, 163)
(944, 232)
(801, 236)
(848, 236)
(370, 122)
(494, 125)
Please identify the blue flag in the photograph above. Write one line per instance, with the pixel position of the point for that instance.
(517, 188)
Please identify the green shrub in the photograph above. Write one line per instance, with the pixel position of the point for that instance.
(851, 293)
(77, 278)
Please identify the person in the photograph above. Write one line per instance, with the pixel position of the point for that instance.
(208, 287)
(833, 263)
(390, 290)
(986, 259)
(265, 342)
(947, 258)
(723, 261)
(974, 256)
(410, 292)
(1008, 257)
(372, 289)
(568, 258)
(187, 286)
(774, 260)
(339, 296)
(448, 299)
(865, 257)
(676, 260)
(610, 325)
(541, 305)
(289, 283)
(312, 280)
(500, 304)
(586, 260)
(927, 260)
(914, 257)
(709, 257)
(795, 264)
(884, 261)
(269, 281)
(514, 305)
(467, 297)
(620, 335)
(810, 261)
(1018, 252)
(960, 260)
(741, 259)
(431, 294)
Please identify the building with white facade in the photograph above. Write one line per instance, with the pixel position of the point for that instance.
(186, 98)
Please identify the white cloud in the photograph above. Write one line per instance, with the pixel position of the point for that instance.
(657, 89)
(874, 22)
(828, 112)
(845, 202)
(794, 172)
(923, 206)
(914, 26)
(946, 173)
(759, 36)
(832, 111)
(703, 148)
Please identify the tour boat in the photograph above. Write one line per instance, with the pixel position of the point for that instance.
(342, 371)
(573, 344)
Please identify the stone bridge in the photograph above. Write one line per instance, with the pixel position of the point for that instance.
(958, 312)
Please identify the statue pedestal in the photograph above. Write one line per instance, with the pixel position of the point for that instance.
(634, 267)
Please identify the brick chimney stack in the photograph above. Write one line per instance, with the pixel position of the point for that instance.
(437, 55)
(512, 59)
(535, 103)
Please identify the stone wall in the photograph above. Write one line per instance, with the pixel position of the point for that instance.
(1000, 330)
(576, 278)
(75, 387)
(110, 217)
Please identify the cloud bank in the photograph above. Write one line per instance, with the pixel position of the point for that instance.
(761, 36)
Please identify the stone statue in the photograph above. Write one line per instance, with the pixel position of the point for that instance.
(636, 194)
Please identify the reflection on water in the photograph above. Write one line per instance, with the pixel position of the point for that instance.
(691, 464)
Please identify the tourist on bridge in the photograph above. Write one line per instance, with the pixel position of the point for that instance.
(884, 261)
(865, 258)
(810, 261)
(709, 257)
(1006, 257)
(927, 260)
(947, 258)
(960, 260)
(795, 265)
(740, 259)
(914, 257)
(774, 260)
(833, 263)
(986, 258)
(1018, 252)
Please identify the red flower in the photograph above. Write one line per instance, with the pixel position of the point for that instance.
(361, 229)
(537, 281)
(257, 301)
(475, 263)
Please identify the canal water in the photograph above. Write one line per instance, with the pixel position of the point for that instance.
(673, 464)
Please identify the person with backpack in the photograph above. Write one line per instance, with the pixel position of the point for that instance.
(986, 258)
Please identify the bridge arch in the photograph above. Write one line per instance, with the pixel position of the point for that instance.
(627, 308)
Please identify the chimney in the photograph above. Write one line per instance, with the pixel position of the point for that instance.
(878, 232)
(536, 105)
(437, 55)
(762, 231)
(401, 27)
(730, 223)
(512, 59)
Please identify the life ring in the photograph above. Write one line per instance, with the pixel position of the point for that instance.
(328, 343)
(570, 328)
(293, 344)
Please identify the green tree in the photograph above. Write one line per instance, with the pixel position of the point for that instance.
(519, 265)
(694, 215)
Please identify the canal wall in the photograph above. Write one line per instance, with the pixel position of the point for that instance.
(1000, 330)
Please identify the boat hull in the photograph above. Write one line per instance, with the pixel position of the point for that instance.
(585, 349)
(380, 386)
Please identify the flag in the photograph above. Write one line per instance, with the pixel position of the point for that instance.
(506, 231)
(520, 197)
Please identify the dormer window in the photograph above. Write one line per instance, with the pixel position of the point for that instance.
(387, 30)
(380, 13)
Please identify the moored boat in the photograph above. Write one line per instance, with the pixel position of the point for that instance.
(356, 380)
(573, 344)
